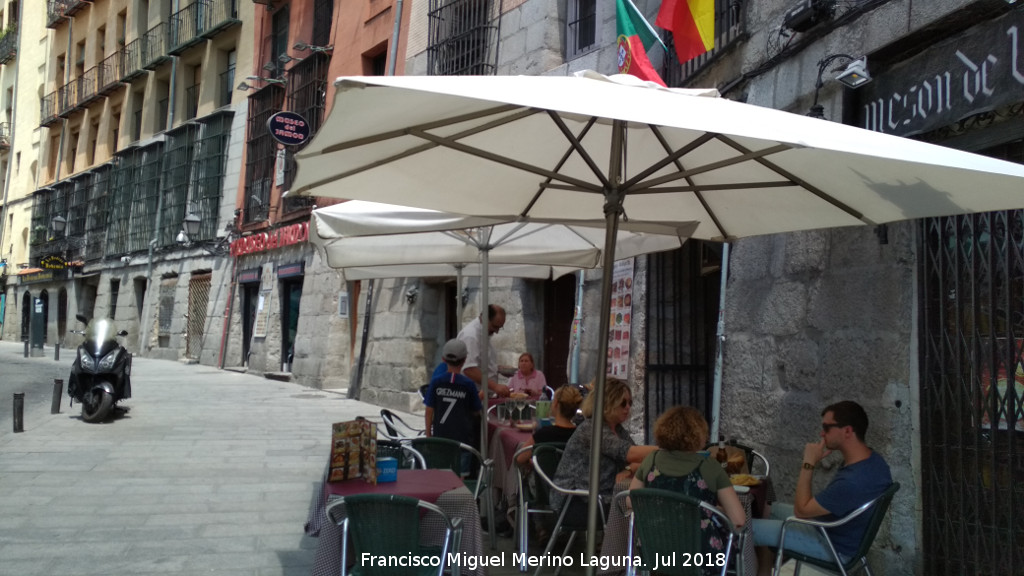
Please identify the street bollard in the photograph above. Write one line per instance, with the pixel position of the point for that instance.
(19, 410)
(56, 352)
(26, 348)
(58, 388)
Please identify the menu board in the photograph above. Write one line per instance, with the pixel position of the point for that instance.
(353, 451)
(621, 314)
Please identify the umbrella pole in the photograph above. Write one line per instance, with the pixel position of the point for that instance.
(458, 292)
(612, 211)
(716, 392)
(484, 354)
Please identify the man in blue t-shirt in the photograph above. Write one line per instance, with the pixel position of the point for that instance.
(863, 477)
(452, 400)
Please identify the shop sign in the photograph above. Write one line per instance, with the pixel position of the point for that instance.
(251, 275)
(288, 128)
(277, 238)
(53, 262)
(289, 270)
(980, 70)
(43, 276)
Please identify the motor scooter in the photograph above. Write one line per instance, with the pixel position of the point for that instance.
(101, 374)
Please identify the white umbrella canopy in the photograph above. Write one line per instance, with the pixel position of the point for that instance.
(591, 147)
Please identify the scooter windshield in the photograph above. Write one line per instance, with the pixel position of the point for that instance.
(99, 334)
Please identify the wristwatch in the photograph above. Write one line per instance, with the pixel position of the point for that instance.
(808, 466)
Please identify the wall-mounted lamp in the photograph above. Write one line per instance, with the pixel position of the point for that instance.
(190, 229)
(270, 67)
(302, 47)
(59, 224)
(260, 79)
(853, 75)
(411, 294)
(285, 59)
(243, 86)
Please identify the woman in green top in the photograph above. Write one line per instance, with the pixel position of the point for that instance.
(679, 433)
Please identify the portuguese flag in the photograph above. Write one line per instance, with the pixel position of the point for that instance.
(635, 36)
(692, 23)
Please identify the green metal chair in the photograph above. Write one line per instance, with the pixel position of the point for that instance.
(544, 471)
(533, 499)
(397, 537)
(444, 453)
(407, 456)
(666, 522)
(876, 508)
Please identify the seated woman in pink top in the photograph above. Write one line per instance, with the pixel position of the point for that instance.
(528, 379)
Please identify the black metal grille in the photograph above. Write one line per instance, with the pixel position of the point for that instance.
(729, 28)
(186, 25)
(323, 16)
(8, 44)
(682, 310)
(122, 183)
(260, 153)
(972, 390)
(208, 168)
(154, 47)
(144, 197)
(96, 213)
(462, 38)
(40, 218)
(307, 95)
(581, 27)
(177, 164)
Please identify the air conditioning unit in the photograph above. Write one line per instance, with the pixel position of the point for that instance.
(807, 14)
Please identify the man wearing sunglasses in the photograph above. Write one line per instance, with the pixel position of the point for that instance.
(863, 476)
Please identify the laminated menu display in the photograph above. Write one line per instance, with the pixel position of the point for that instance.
(353, 451)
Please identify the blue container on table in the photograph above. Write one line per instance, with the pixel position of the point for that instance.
(387, 469)
(546, 422)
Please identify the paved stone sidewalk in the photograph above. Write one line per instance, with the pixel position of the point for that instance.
(210, 472)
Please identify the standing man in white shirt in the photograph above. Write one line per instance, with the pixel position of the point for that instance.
(471, 335)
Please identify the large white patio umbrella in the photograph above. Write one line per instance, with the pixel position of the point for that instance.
(374, 240)
(592, 147)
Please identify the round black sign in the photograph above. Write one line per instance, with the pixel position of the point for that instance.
(288, 128)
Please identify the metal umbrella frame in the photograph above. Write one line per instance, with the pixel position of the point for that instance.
(625, 151)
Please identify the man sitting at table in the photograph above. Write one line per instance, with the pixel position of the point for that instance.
(452, 401)
(863, 476)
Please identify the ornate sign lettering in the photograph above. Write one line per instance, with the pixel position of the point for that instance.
(277, 238)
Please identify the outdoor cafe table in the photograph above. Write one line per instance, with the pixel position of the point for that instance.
(616, 531)
(504, 441)
(440, 487)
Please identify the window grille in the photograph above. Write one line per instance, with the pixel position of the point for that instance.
(209, 165)
(323, 15)
(307, 95)
(729, 28)
(278, 40)
(260, 153)
(144, 198)
(581, 24)
(122, 183)
(462, 37)
(96, 213)
(177, 163)
(40, 218)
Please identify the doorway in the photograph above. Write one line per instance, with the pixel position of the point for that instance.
(291, 298)
(198, 298)
(62, 315)
(559, 310)
(250, 301)
(44, 299)
(26, 315)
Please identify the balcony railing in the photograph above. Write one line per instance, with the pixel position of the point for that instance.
(8, 44)
(87, 86)
(48, 109)
(5, 135)
(58, 10)
(109, 72)
(154, 47)
(67, 98)
(200, 20)
(131, 60)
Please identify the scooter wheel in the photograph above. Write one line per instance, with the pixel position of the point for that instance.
(96, 406)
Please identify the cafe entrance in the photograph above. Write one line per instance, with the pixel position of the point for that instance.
(972, 389)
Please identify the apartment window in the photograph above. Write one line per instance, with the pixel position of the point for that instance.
(137, 115)
(144, 197)
(96, 213)
(80, 59)
(581, 24)
(209, 167)
(307, 89)
(323, 15)
(376, 65)
(163, 91)
(192, 93)
(115, 288)
(122, 28)
(101, 43)
(227, 80)
(177, 166)
(94, 133)
(72, 152)
(115, 128)
(12, 14)
(278, 41)
(54, 152)
(461, 38)
(121, 188)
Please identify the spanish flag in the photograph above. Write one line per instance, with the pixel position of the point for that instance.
(635, 36)
(692, 23)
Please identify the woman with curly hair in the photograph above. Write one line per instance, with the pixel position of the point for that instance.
(679, 433)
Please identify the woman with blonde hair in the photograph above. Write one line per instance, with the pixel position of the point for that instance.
(619, 455)
(567, 400)
(679, 433)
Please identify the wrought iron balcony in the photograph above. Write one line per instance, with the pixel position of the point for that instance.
(154, 47)
(67, 99)
(48, 109)
(109, 72)
(87, 86)
(200, 20)
(57, 11)
(8, 44)
(131, 60)
(5, 135)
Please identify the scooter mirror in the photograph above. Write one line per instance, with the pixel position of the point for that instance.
(122, 333)
(82, 318)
